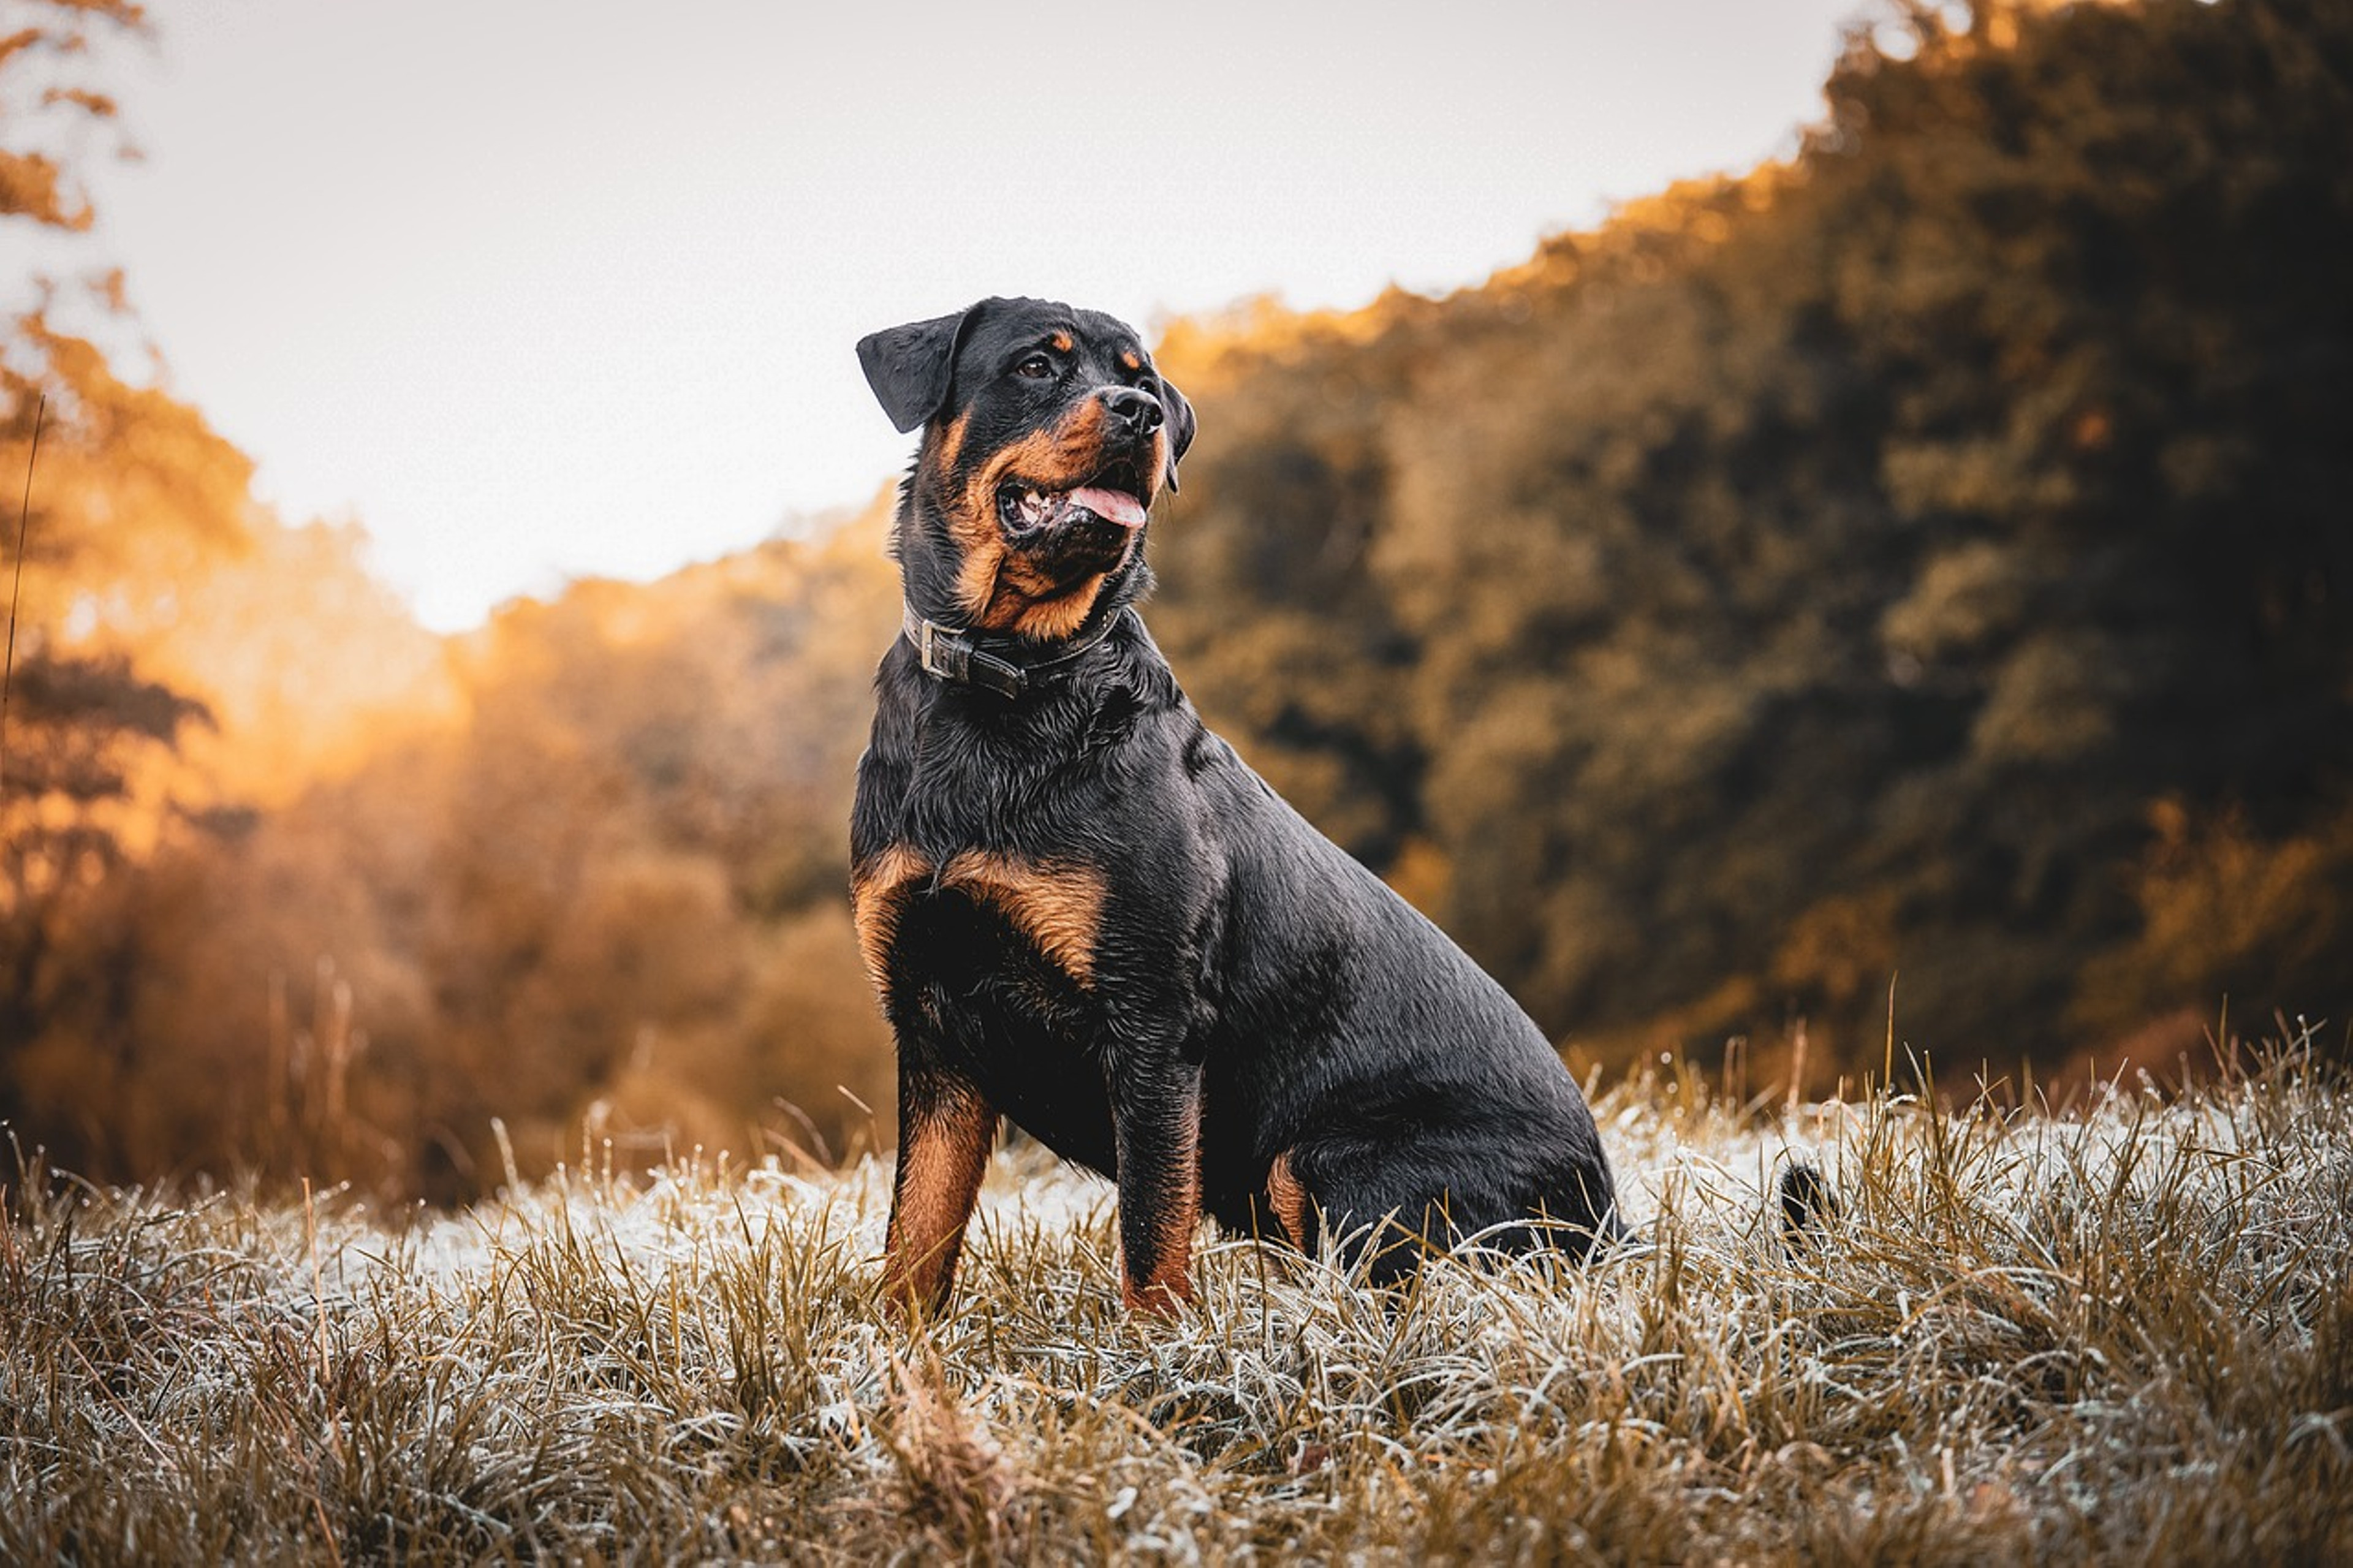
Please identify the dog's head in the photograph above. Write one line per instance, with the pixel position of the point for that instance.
(1047, 437)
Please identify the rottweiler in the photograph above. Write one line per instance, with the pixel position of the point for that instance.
(1083, 911)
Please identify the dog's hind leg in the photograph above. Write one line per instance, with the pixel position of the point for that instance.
(1399, 1198)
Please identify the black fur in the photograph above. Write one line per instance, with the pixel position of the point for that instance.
(908, 367)
(1240, 974)
(1808, 1206)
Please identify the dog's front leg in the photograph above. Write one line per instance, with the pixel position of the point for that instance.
(945, 1129)
(1156, 1119)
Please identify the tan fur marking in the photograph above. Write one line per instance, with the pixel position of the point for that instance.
(1058, 907)
(976, 575)
(1130, 360)
(950, 444)
(1170, 1282)
(941, 1161)
(997, 589)
(878, 892)
(1059, 616)
(1056, 459)
(1062, 341)
(1288, 1198)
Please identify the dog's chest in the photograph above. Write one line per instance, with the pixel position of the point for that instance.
(922, 916)
(982, 890)
(937, 885)
(996, 955)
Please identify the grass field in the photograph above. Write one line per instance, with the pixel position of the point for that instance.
(2120, 1335)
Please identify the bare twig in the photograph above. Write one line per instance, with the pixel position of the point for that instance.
(24, 523)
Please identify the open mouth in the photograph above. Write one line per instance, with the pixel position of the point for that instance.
(1111, 495)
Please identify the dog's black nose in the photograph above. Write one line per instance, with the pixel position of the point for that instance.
(1137, 414)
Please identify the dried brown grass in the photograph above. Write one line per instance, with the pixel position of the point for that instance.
(2121, 1335)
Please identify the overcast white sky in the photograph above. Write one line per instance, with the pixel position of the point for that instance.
(535, 290)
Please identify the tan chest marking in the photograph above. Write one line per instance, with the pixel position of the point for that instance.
(1058, 906)
(878, 889)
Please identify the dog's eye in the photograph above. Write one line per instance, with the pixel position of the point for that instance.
(1036, 367)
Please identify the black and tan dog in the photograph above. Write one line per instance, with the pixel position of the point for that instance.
(1084, 912)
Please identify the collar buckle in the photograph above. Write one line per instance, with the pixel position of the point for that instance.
(930, 643)
(946, 653)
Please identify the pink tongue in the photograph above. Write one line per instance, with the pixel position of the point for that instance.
(1112, 506)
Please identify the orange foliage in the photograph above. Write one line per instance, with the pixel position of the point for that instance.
(1872, 562)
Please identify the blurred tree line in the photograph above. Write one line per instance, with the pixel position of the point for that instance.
(287, 883)
(1930, 559)
(601, 900)
(1923, 562)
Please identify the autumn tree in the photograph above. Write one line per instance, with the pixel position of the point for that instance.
(87, 731)
(1926, 557)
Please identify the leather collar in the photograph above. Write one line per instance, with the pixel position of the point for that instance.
(955, 656)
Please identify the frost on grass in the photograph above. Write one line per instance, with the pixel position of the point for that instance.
(2110, 1335)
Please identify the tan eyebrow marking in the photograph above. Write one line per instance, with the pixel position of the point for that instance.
(1062, 341)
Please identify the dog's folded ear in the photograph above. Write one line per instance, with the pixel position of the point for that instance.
(909, 367)
(1181, 424)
